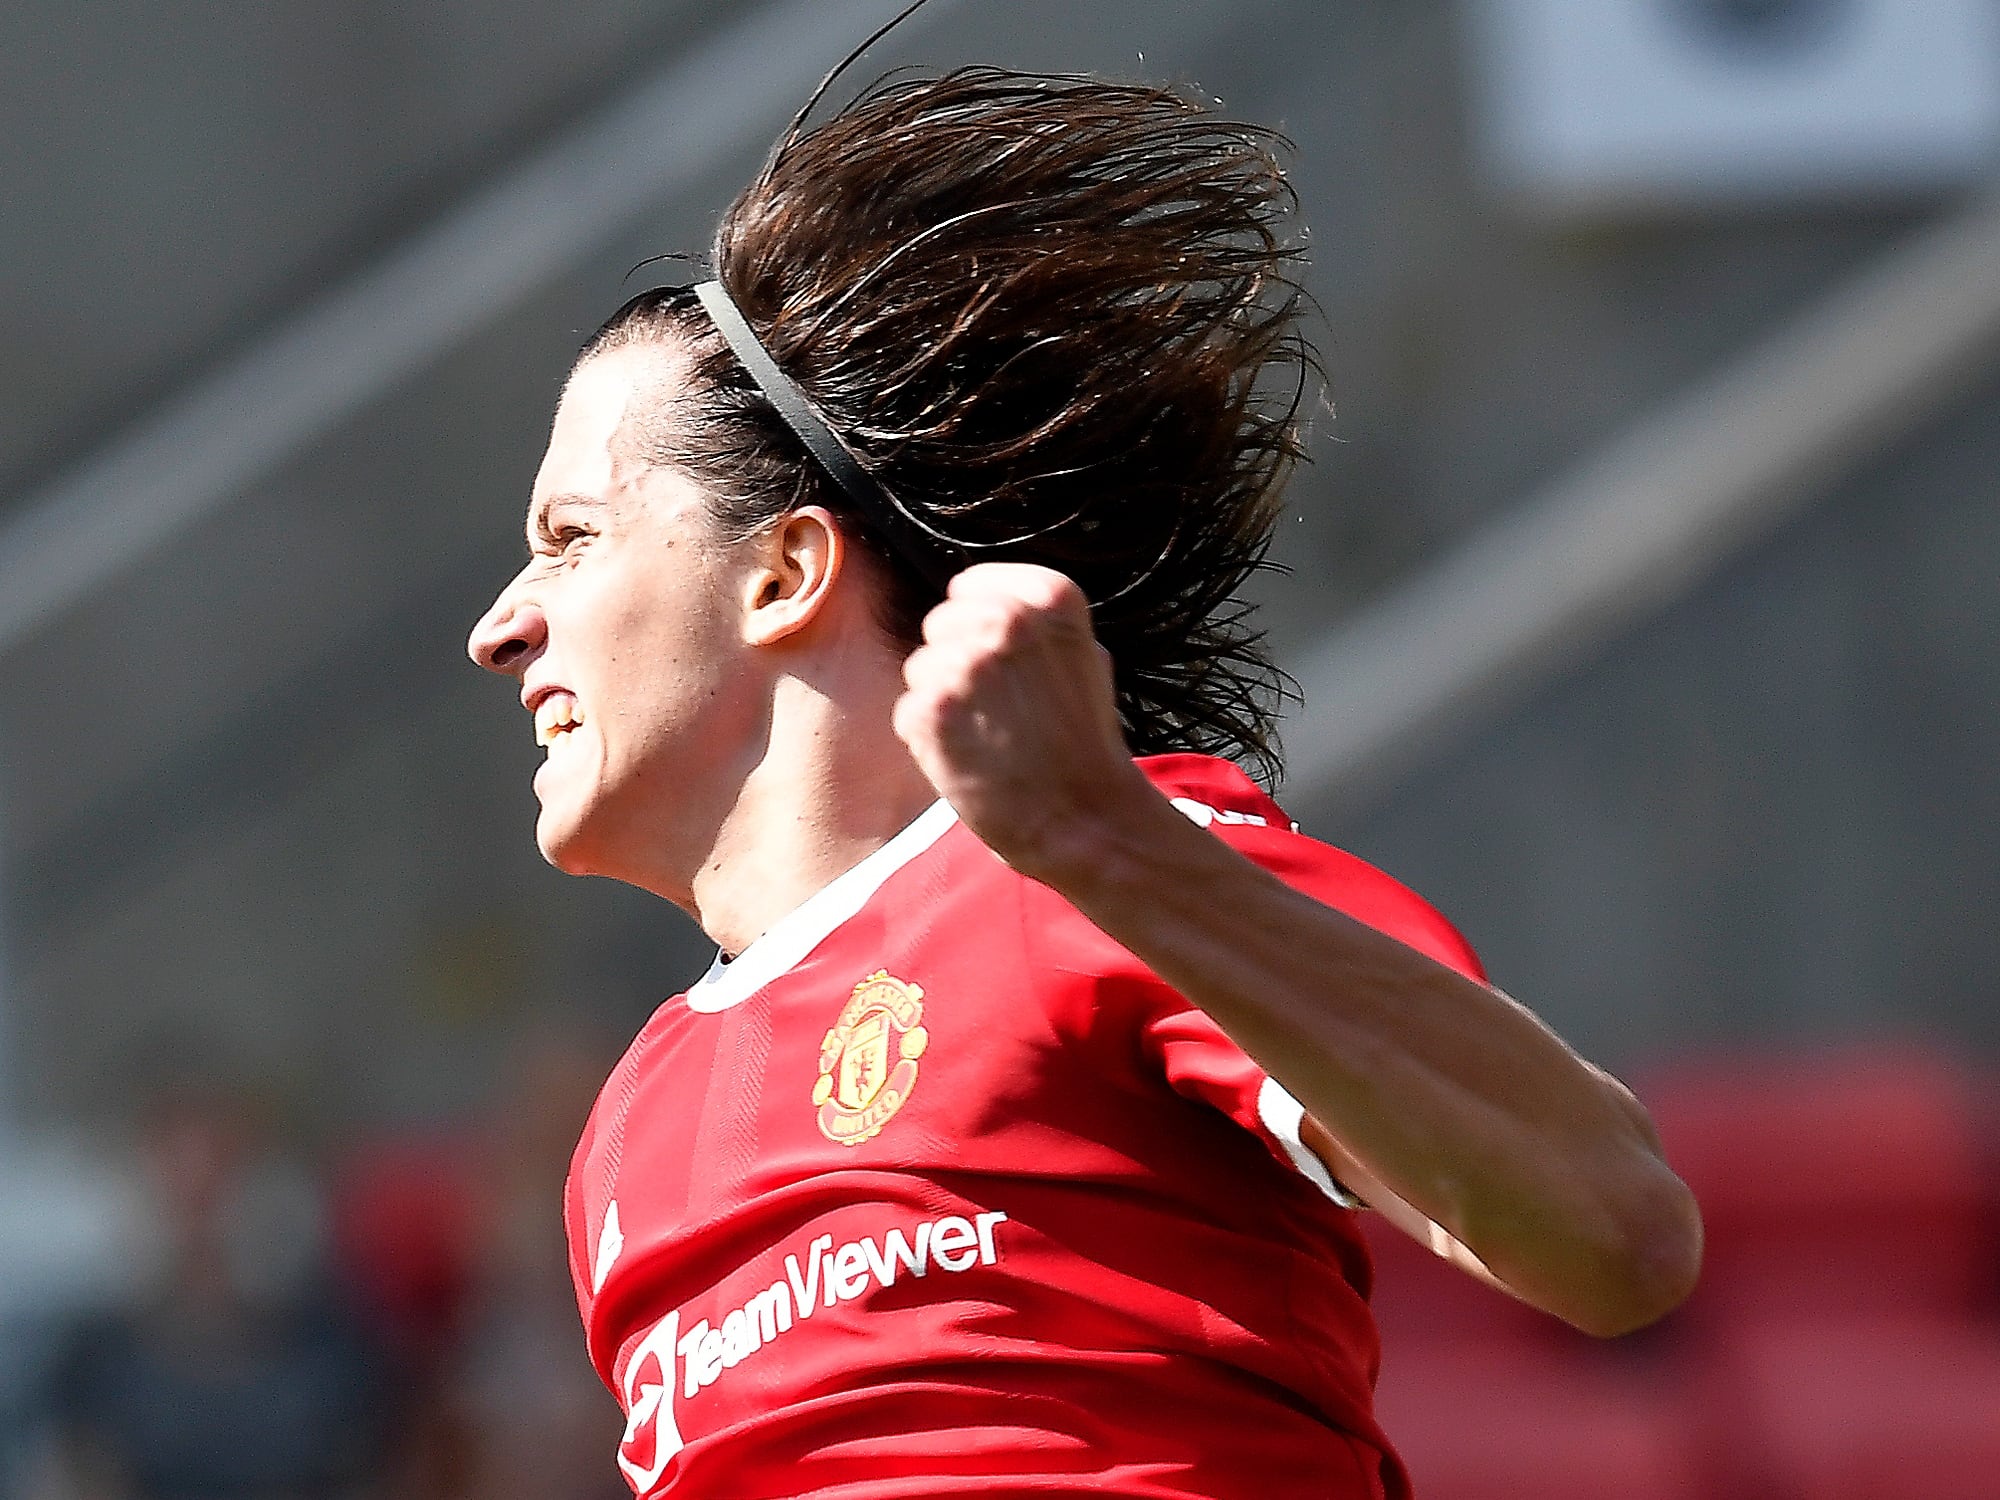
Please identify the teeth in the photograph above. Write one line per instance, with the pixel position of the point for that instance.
(554, 715)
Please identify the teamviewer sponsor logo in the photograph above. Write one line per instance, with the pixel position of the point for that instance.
(667, 1363)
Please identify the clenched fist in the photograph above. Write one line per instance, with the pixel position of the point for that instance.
(1009, 709)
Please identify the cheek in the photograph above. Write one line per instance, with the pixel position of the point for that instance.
(671, 660)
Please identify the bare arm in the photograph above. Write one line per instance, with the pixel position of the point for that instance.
(1437, 1099)
(1430, 1091)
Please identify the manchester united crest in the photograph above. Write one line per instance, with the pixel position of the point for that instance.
(868, 1062)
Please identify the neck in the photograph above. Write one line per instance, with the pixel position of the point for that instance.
(834, 785)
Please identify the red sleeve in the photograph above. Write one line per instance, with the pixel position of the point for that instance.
(1197, 1059)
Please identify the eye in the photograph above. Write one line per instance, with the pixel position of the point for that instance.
(556, 540)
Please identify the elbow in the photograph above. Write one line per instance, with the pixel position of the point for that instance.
(1654, 1260)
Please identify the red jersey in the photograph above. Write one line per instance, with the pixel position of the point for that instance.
(937, 1190)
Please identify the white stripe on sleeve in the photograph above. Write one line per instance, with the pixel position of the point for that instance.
(1282, 1115)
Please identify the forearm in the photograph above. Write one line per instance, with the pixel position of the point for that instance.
(1449, 1094)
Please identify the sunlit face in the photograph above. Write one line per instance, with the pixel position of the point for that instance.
(624, 631)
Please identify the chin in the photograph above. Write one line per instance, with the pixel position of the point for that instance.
(575, 843)
(570, 826)
(564, 840)
(609, 828)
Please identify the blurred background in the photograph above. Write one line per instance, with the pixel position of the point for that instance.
(1645, 594)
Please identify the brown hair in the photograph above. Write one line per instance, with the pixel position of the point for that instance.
(1055, 317)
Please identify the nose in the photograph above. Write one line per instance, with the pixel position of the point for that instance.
(509, 635)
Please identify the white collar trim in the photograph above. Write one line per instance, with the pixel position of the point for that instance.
(812, 921)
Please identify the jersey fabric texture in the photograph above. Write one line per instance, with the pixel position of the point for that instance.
(936, 1190)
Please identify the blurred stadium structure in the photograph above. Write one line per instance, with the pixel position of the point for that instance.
(1644, 599)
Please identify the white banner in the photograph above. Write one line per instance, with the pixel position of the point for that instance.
(1589, 105)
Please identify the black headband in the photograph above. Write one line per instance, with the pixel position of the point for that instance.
(933, 555)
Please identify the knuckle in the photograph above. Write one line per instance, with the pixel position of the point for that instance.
(957, 680)
(938, 621)
(1007, 626)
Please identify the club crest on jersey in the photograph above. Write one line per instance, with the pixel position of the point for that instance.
(868, 1061)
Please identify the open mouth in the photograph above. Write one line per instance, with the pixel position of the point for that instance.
(555, 716)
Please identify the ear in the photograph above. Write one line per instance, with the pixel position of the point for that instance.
(800, 558)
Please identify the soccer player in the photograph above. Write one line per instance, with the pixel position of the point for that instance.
(1014, 1142)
